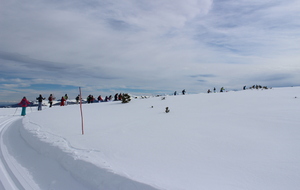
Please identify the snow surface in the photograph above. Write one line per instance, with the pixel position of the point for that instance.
(231, 141)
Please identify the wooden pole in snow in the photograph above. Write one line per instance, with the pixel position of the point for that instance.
(81, 110)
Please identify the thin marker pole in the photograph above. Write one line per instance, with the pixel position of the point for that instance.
(81, 110)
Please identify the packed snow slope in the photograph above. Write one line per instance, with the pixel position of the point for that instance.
(231, 141)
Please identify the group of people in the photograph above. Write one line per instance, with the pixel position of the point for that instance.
(256, 87)
(25, 103)
(244, 88)
(91, 99)
(64, 100)
(222, 89)
(183, 92)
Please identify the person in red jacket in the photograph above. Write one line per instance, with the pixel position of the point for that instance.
(24, 103)
(100, 98)
(62, 101)
(51, 98)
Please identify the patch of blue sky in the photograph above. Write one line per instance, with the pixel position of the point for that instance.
(7, 76)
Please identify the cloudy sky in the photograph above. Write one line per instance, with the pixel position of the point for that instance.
(146, 47)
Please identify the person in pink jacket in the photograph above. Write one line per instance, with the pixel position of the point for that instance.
(24, 103)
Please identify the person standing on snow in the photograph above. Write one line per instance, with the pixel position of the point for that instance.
(92, 99)
(40, 101)
(62, 101)
(50, 99)
(66, 99)
(100, 98)
(88, 99)
(77, 99)
(120, 97)
(222, 89)
(116, 97)
(24, 103)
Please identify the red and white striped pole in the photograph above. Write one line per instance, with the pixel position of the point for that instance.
(81, 110)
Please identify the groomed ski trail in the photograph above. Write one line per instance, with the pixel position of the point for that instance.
(17, 174)
(28, 163)
(11, 172)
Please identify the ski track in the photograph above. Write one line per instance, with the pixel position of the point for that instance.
(14, 174)
(13, 179)
(21, 171)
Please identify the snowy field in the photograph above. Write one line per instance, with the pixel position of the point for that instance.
(242, 140)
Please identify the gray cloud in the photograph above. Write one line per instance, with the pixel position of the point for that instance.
(203, 75)
(31, 63)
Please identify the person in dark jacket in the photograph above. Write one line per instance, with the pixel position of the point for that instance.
(24, 103)
(120, 97)
(40, 101)
(77, 99)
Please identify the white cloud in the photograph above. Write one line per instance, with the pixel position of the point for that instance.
(149, 44)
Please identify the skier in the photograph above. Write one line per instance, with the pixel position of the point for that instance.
(62, 101)
(214, 89)
(92, 99)
(24, 103)
(120, 97)
(88, 99)
(40, 100)
(66, 98)
(100, 98)
(77, 99)
(50, 99)
(183, 91)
